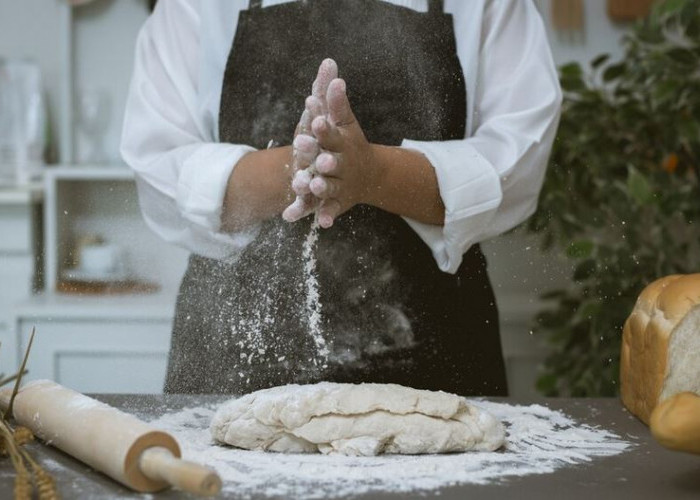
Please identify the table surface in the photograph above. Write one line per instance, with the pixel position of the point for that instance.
(645, 471)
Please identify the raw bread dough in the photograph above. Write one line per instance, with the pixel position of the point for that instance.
(355, 419)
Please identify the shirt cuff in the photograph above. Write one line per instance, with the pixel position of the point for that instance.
(471, 191)
(203, 180)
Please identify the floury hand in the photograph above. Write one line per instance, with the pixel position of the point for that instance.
(305, 146)
(345, 168)
(333, 160)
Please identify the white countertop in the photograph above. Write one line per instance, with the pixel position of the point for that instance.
(23, 194)
(147, 306)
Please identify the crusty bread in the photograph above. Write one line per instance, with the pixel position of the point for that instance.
(661, 344)
(675, 423)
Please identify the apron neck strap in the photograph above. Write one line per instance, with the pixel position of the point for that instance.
(436, 6)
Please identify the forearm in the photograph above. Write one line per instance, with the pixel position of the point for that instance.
(259, 188)
(405, 184)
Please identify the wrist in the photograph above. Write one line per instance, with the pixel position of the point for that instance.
(259, 187)
(377, 166)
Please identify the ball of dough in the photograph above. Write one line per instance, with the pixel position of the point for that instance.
(355, 419)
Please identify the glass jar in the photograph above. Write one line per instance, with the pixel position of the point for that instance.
(22, 121)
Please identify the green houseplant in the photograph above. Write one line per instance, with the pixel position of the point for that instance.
(622, 193)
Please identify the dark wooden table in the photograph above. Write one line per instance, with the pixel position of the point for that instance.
(646, 471)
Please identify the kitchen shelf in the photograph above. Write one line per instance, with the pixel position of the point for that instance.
(116, 172)
(102, 201)
(23, 194)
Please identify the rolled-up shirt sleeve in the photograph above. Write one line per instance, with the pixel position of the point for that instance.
(490, 181)
(181, 169)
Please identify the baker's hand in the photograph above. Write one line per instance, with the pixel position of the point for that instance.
(345, 169)
(305, 146)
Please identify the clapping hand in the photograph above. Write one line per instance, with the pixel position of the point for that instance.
(334, 166)
(305, 146)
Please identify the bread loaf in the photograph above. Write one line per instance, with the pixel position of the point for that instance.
(675, 423)
(661, 345)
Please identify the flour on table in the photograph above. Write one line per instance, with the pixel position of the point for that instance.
(538, 441)
(355, 419)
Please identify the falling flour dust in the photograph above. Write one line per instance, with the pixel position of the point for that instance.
(539, 441)
(313, 302)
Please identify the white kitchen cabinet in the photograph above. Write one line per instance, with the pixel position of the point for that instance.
(16, 227)
(95, 345)
(100, 343)
(20, 237)
(16, 275)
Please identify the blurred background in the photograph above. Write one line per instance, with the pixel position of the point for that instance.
(78, 263)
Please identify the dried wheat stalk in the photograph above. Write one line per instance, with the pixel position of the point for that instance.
(30, 476)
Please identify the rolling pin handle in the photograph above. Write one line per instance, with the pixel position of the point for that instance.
(159, 464)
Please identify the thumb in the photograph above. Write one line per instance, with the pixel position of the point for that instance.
(339, 110)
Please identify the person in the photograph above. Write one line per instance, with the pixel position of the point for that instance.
(435, 139)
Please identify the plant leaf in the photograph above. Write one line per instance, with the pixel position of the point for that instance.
(613, 72)
(638, 187)
(598, 61)
(580, 249)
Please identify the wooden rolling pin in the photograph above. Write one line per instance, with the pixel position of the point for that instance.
(109, 440)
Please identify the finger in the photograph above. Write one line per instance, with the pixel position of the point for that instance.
(327, 212)
(327, 135)
(305, 150)
(304, 126)
(300, 208)
(327, 71)
(324, 187)
(305, 144)
(294, 212)
(314, 106)
(339, 109)
(328, 165)
(301, 181)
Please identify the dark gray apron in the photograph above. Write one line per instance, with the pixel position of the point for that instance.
(388, 313)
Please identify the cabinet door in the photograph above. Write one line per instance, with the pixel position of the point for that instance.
(16, 229)
(16, 274)
(8, 350)
(16, 277)
(99, 356)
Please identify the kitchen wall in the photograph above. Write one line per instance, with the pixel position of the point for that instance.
(104, 51)
(103, 35)
(599, 34)
(31, 28)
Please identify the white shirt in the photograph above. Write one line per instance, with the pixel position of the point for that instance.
(489, 181)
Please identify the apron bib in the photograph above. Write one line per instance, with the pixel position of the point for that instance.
(388, 314)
